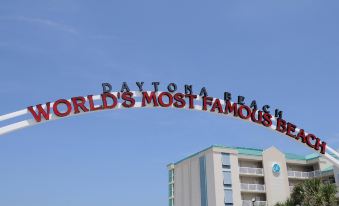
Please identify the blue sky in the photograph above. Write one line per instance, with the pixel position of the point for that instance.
(282, 53)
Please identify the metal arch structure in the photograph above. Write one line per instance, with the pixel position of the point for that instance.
(330, 154)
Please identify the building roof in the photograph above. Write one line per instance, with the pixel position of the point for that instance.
(328, 169)
(256, 152)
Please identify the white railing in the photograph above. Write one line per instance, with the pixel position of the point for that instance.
(256, 203)
(304, 175)
(251, 171)
(252, 187)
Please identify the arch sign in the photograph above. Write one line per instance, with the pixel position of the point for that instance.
(125, 98)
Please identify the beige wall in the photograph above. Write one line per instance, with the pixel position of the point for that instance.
(324, 163)
(235, 179)
(277, 188)
(210, 175)
(219, 178)
(250, 196)
(187, 183)
(336, 175)
(300, 167)
(248, 163)
(252, 180)
(187, 179)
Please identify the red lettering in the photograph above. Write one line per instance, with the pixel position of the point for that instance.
(241, 114)
(310, 137)
(290, 129)
(180, 102)
(169, 96)
(231, 108)
(301, 134)
(253, 116)
(91, 104)
(149, 98)
(104, 100)
(41, 111)
(128, 97)
(191, 98)
(321, 145)
(56, 110)
(79, 102)
(267, 122)
(217, 105)
(206, 101)
(281, 125)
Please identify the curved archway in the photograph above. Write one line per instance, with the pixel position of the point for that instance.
(148, 99)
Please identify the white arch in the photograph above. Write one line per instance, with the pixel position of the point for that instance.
(331, 154)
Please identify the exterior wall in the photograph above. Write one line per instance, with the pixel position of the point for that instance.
(277, 188)
(195, 183)
(187, 187)
(336, 175)
(252, 180)
(299, 167)
(234, 175)
(247, 163)
(324, 163)
(189, 176)
(212, 185)
(235, 179)
(249, 196)
(219, 187)
(187, 183)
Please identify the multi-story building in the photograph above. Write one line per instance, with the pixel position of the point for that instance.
(222, 176)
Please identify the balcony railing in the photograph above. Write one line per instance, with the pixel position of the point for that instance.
(252, 187)
(304, 175)
(256, 203)
(251, 171)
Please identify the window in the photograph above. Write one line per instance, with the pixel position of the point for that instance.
(227, 178)
(226, 162)
(171, 175)
(171, 202)
(203, 182)
(228, 197)
(170, 190)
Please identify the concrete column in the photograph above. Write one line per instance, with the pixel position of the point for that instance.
(277, 188)
(235, 179)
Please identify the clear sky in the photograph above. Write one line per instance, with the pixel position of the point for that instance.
(282, 53)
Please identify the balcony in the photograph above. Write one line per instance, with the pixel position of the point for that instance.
(256, 203)
(252, 187)
(251, 171)
(304, 175)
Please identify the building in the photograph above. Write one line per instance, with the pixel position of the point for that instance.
(222, 176)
